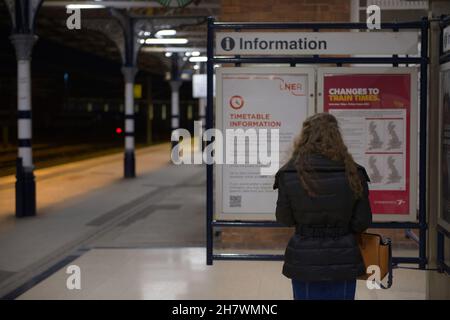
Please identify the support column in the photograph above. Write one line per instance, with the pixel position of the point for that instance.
(25, 182)
(175, 105)
(129, 74)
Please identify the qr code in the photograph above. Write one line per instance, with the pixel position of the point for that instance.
(235, 201)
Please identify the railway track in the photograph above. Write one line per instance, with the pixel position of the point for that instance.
(48, 155)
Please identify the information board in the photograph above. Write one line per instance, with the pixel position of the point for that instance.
(377, 113)
(258, 98)
(309, 43)
(444, 103)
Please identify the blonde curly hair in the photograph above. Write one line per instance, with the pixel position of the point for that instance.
(321, 135)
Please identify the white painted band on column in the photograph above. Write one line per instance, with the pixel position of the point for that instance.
(26, 154)
(175, 123)
(129, 99)
(23, 85)
(129, 143)
(175, 108)
(24, 129)
(129, 125)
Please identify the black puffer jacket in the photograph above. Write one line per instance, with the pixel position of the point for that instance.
(323, 246)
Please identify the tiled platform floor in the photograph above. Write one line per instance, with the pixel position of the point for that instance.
(183, 274)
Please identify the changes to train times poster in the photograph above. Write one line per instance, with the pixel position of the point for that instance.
(259, 99)
(376, 110)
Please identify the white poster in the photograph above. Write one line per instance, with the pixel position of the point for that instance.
(258, 98)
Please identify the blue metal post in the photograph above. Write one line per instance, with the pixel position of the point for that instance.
(209, 125)
(423, 145)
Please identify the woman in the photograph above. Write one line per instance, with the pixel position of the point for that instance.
(324, 194)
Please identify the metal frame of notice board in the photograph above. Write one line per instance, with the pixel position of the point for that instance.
(421, 26)
(442, 233)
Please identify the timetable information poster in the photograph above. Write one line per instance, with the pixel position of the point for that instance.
(257, 98)
(374, 114)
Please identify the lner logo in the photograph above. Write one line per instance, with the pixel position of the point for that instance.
(227, 43)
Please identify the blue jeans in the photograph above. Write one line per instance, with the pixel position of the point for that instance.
(324, 290)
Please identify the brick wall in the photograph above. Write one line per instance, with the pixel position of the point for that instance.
(253, 238)
(285, 10)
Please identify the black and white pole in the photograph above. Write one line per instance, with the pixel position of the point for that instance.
(129, 74)
(25, 182)
(175, 84)
(23, 15)
(175, 105)
(124, 32)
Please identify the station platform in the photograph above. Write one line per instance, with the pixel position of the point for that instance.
(139, 238)
(181, 274)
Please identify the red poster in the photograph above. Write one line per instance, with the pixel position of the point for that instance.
(374, 113)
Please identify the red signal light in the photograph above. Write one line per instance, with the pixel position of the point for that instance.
(118, 130)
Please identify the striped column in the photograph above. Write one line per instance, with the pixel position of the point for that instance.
(175, 108)
(24, 113)
(129, 74)
(25, 182)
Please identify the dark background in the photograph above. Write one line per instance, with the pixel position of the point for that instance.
(78, 94)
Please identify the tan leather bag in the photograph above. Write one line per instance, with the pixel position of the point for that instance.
(376, 251)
